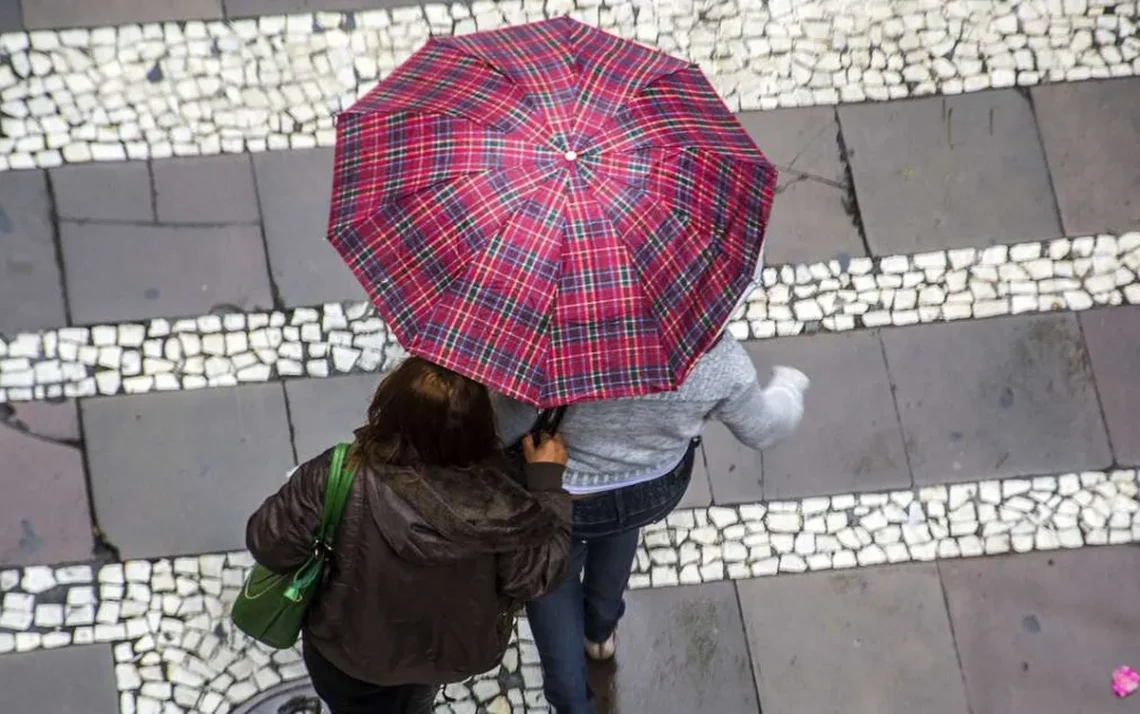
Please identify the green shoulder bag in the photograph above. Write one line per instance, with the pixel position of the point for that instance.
(271, 606)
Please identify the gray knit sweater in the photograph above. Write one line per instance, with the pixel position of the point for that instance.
(620, 442)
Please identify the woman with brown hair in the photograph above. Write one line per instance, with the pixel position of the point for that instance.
(437, 549)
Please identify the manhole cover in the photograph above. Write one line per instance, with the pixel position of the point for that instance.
(288, 698)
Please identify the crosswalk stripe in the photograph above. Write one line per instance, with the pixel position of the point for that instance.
(187, 353)
(174, 610)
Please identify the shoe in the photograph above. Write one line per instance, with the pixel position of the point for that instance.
(603, 651)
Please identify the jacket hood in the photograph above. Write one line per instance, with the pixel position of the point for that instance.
(439, 515)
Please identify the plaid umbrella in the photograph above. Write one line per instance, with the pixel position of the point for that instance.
(556, 212)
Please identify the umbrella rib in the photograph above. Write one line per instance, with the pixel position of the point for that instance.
(721, 151)
(392, 197)
(663, 204)
(338, 234)
(428, 112)
(420, 111)
(449, 43)
(680, 150)
(640, 283)
(541, 127)
(444, 289)
(546, 347)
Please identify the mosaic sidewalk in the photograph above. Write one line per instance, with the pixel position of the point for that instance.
(172, 640)
(239, 348)
(156, 90)
(956, 521)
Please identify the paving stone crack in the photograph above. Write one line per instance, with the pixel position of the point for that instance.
(1049, 173)
(953, 636)
(274, 288)
(57, 244)
(9, 421)
(1097, 393)
(289, 422)
(801, 176)
(150, 182)
(105, 551)
(850, 200)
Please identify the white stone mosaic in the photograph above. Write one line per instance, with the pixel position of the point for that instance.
(1066, 274)
(175, 648)
(852, 530)
(184, 354)
(176, 651)
(207, 87)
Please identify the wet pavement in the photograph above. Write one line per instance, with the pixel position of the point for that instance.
(953, 529)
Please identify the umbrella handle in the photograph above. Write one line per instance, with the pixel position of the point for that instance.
(548, 422)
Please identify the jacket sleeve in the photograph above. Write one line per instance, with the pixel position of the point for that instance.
(279, 534)
(759, 417)
(531, 572)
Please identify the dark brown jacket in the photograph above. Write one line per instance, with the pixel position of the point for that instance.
(428, 569)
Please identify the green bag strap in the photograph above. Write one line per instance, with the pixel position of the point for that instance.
(337, 488)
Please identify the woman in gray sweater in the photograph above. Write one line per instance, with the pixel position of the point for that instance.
(630, 461)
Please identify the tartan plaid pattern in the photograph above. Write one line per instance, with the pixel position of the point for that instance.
(553, 280)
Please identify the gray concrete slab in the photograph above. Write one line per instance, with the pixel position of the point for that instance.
(45, 14)
(1113, 340)
(1091, 133)
(996, 398)
(118, 191)
(11, 19)
(1043, 632)
(849, 408)
(680, 650)
(63, 681)
(949, 172)
(857, 642)
(131, 272)
(44, 512)
(182, 472)
(294, 189)
(699, 493)
(31, 289)
(810, 219)
(735, 472)
(205, 189)
(58, 421)
(326, 411)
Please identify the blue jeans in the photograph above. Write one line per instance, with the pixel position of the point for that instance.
(589, 601)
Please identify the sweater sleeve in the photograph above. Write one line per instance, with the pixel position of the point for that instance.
(279, 534)
(761, 416)
(514, 418)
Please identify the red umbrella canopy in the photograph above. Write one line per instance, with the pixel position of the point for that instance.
(556, 212)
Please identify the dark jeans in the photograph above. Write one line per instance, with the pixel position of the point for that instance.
(589, 601)
(345, 695)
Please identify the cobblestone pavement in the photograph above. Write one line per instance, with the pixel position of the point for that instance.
(953, 258)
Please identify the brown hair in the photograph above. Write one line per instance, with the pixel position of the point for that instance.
(423, 414)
